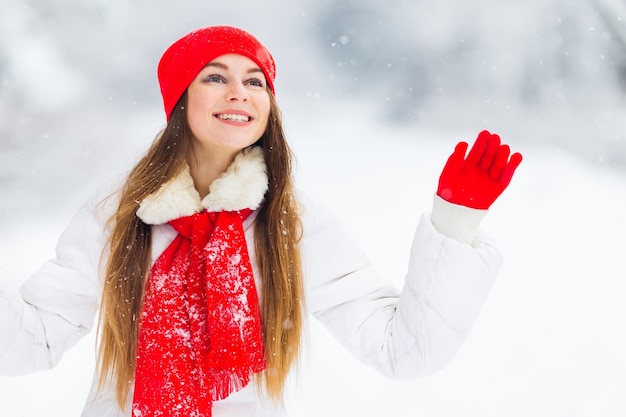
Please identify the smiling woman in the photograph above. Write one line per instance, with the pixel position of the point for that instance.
(228, 106)
(204, 261)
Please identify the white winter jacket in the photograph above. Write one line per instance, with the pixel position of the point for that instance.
(403, 334)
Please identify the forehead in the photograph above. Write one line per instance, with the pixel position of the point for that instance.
(228, 61)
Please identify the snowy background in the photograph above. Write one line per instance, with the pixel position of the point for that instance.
(374, 97)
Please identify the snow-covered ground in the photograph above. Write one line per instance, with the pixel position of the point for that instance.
(551, 338)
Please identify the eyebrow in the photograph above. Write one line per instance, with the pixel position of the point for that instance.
(225, 67)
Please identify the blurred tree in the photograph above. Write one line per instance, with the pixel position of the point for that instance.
(613, 15)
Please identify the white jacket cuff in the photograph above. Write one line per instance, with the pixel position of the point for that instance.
(455, 221)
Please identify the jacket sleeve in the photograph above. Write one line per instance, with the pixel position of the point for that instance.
(57, 305)
(409, 333)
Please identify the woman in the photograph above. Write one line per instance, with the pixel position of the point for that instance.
(203, 262)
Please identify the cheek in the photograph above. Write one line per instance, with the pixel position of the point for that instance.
(197, 109)
(264, 110)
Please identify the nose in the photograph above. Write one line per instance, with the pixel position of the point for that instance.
(237, 92)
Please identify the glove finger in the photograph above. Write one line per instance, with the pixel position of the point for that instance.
(493, 144)
(509, 169)
(478, 149)
(499, 162)
(458, 156)
(460, 149)
(451, 171)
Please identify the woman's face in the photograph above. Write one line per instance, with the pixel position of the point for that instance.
(228, 104)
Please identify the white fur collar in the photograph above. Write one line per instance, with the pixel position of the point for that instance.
(242, 186)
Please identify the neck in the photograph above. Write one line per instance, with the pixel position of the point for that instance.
(206, 166)
(243, 185)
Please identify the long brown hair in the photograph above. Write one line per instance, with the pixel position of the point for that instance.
(276, 237)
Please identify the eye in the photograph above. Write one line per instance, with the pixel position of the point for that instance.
(256, 82)
(214, 78)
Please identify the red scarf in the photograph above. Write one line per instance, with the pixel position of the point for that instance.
(200, 335)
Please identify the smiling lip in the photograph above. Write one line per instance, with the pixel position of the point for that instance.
(234, 116)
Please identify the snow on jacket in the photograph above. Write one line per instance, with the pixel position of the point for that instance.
(403, 334)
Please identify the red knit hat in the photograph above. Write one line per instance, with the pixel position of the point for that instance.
(186, 57)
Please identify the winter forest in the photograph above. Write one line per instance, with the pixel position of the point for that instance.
(374, 97)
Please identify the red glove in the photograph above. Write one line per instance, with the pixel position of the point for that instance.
(478, 180)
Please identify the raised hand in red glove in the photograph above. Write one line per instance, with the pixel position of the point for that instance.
(478, 180)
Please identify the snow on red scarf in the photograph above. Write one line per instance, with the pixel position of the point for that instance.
(200, 335)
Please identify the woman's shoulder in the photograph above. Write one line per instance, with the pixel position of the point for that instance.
(104, 199)
(322, 229)
(314, 214)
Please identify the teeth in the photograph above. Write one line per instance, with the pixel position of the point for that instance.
(234, 117)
